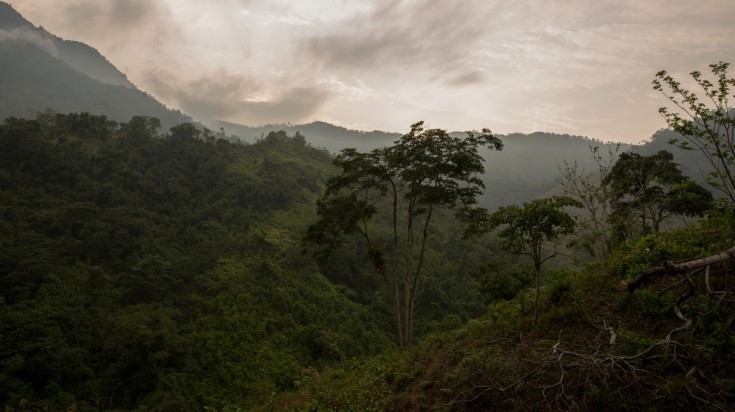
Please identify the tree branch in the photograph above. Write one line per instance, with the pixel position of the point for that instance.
(675, 268)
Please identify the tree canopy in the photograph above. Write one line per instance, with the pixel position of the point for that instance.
(705, 123)
(648, 189)
(528, 229)
(422, 172)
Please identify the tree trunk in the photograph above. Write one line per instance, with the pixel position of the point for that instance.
(537, 268)
(396, 274)
(408, 277)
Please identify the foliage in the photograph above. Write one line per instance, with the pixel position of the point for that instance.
(648, 189)
(596, 347)
(162, 271)
(705, 123)
(500, 281)
(528, 229)
(424, 172)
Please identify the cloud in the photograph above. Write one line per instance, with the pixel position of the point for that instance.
(467, 78)
(426, 36)
(44, 42)
(296, 104)
(127, 13)
(111, 17)
(577, 64)
(93, 15)
(210, 96)
(235, 97)
(351, 90)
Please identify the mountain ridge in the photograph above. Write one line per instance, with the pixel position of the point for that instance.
(40, 71)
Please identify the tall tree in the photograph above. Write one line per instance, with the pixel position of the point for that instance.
(595, 197)
(425, 170)
(648, 189)
(535, 230)
(705, 123)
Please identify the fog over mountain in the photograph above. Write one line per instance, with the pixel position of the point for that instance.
(579, 67)
(40, 71)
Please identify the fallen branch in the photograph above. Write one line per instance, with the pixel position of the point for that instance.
(674, 268)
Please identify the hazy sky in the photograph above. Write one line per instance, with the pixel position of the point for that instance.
(581, 67)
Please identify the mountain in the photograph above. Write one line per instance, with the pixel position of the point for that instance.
(40, 71)
(526, 168)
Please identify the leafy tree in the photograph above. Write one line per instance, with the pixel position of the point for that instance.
(531, 228)
(425, 170)
(503, 281)
(706, 124)
(648, 189)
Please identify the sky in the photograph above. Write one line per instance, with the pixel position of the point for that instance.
(579, 67)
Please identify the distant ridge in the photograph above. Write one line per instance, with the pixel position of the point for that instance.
(318, 134)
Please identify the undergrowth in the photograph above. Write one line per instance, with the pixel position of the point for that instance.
(668, 344)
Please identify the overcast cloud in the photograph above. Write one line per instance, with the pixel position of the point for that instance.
(579, 66)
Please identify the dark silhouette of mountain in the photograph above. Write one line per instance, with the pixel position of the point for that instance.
(89, 61)
(693, 163)
(40, 71)
(9, 18)
(528, 166)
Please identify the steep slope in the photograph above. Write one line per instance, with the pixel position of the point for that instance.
(89, 61)
(162, 271)
(11, 19)
(39, 71)
(603, 342)
(78, 56)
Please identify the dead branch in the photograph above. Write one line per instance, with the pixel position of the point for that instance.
(675, 268)
(613, 335)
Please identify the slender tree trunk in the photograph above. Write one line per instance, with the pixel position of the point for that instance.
(408, 277)
(537, 268)
(396, 273)
(415, 279)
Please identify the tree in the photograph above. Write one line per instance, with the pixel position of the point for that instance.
(651, 188)
(529, 228)
(595, 197)
(710, 129)
(425, 170)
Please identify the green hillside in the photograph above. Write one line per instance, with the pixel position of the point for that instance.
(148, 270)
(611, 336)
(141, 269)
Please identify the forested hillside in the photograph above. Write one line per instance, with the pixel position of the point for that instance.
(613, 336)
(164, 270)
(645, 325)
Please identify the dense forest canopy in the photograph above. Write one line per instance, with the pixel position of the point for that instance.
(147, 268)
